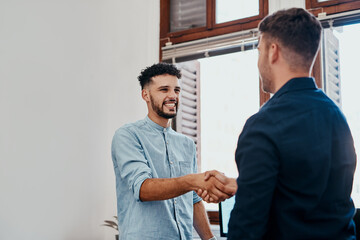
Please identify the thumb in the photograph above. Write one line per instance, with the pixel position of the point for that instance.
(207, 175)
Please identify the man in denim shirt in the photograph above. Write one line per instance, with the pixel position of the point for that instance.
(155, 168)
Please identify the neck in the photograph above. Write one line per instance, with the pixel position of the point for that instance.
(164, 122)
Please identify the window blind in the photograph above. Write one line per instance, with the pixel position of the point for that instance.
(331, 66)
(213, 46)
(187, 120)
(187, 14)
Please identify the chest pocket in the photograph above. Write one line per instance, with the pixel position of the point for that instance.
(185, 168)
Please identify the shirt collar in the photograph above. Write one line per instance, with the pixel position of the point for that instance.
(296, 84)
(155, 125)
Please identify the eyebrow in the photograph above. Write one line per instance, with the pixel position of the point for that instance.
(166, 86)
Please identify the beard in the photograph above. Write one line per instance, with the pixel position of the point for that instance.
(160, 109)
(266, 78)
(266, 83)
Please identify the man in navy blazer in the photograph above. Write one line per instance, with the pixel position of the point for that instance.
(295, 157)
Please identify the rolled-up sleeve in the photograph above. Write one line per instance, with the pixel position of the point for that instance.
(129, 159)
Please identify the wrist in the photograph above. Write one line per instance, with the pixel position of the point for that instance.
(192, 181)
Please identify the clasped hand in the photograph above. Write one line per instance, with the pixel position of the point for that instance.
(216, 187)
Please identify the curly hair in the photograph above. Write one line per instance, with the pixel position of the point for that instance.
(156, 70)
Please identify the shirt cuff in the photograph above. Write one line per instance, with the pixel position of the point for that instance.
(137, 185)
(196, 198)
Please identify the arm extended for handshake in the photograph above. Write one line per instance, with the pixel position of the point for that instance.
(216, 186)
(212, 185)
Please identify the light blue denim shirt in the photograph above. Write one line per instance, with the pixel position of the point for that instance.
(144, 150)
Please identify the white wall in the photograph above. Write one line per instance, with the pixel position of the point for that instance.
(68, 73)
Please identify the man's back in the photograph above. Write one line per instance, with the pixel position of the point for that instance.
(308, 162)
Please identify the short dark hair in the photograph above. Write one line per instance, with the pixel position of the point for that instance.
(156, 70)
(295, 29)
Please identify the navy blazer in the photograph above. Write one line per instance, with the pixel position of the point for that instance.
(296, 162)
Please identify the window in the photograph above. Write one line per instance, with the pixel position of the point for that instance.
(331, 6)
(225, 100)
(187, 20)
(228, 98)
(186, 15)
(230, 10)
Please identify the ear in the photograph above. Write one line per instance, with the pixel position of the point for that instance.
(145, 95)
(273, 53)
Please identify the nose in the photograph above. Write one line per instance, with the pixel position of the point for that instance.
(173, 95)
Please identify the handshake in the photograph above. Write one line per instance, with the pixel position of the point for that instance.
(214, 186)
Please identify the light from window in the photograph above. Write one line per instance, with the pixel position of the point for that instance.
(229, 10)
(349, 40)
(229, 96)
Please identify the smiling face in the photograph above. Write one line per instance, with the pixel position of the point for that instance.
(162, 97)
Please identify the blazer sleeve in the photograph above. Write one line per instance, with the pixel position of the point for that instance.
(257, 162)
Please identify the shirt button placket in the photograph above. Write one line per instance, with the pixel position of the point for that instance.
(169, 154)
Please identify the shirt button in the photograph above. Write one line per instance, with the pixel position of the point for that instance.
(175, 201)
(171, 162)
(167, 142)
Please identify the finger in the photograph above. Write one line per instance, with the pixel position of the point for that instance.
(216, 189)
(214, 196)
(199, 192)
(225, 188)
(231, 186)
(221, 177)
(207, 175)
(221, 194)
(218, 195)
(211, 173)
(207, 198)
(204, 194)
(213, 201)
(230, 190)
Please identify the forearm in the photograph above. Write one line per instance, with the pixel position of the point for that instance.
(156, 189)
(201, 221)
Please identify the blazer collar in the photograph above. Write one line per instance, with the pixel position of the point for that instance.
(296, 84)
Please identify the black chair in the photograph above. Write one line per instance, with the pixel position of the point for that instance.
(357, 222)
